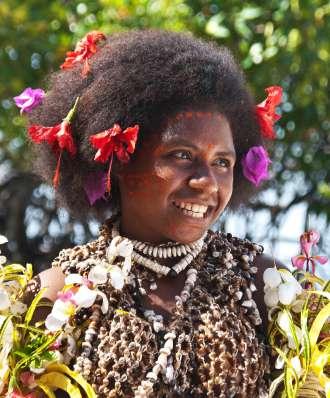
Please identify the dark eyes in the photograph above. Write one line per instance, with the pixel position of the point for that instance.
(186, 155)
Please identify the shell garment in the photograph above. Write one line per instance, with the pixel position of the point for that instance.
(217, 352)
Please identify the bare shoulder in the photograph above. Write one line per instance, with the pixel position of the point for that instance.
(51, 279)
(262, 262)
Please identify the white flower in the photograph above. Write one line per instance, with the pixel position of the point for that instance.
(85, 297)
(283, 321)
(6, 344)
(288, 277)
(279, 363)
(3, 240)
(53, 324)
(295, 362)
(3, 260)
(18, 308)
(117, 277)
(119, 247)
(287, 293)
(280, 286)
(61, 313)
(271, 297)
(73, 279)
(4, 371)
(4, 300)
(98, 275)
(127, 265)
(125, 248)
(272, 277)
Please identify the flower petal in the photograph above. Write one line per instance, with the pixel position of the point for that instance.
(105, 302)
(95, 186)
(287, 293)
(73, 279)
(125, 248)
(321, 259)
(271, 297)
(272, 277)
(4, 300)
(53, 324)
(255, 165)
(117, 277)
(3, 240)
(298, 261)
(98, 275)
(63, 310)
(85, 297)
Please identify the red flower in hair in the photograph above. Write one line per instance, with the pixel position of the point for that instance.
(266, 111)
(59, 137)
(117, 141)
(85, 48)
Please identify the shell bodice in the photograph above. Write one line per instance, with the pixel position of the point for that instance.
(217, 352)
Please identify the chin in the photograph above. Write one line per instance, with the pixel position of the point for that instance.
(186, 234)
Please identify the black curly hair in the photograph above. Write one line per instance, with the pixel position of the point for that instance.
(145, 78)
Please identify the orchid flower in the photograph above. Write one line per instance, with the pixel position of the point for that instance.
(280, 287)
(307, 241)
(81, 294)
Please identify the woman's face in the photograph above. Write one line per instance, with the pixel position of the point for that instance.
(178, 183)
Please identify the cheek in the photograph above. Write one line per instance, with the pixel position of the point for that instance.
(147, 185)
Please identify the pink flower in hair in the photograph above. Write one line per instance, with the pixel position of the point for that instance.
(29, 99)
(255, 165)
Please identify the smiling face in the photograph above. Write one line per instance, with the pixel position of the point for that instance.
(179, 182)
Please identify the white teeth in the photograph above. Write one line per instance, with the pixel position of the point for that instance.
(193, 214)
(192, 207)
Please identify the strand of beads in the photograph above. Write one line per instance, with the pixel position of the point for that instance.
(146, 387)
(83, 363)
(164, 363)
(165, 250)
(163, 269)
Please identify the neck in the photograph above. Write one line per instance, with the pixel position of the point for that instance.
(131, 229)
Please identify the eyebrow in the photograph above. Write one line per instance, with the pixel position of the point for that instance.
(181, 141)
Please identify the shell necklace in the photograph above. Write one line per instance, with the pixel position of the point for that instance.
(167, 250)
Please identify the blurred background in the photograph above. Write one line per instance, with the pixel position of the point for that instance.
(278, 42)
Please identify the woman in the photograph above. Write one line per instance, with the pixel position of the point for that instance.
(181, 320)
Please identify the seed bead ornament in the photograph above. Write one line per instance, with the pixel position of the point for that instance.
(210, 346)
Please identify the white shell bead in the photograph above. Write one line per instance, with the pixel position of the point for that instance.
(170, 335)
(162, 360)
(169, 344)
(155, 252)
(165, 351)
(169, 252)
(152, 376)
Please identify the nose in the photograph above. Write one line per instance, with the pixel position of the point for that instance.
(204, 180)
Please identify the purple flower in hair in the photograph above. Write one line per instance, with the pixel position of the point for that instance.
(255, 165)
(95, 186)
(29, 99)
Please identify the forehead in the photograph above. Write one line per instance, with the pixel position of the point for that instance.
(201, 128)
